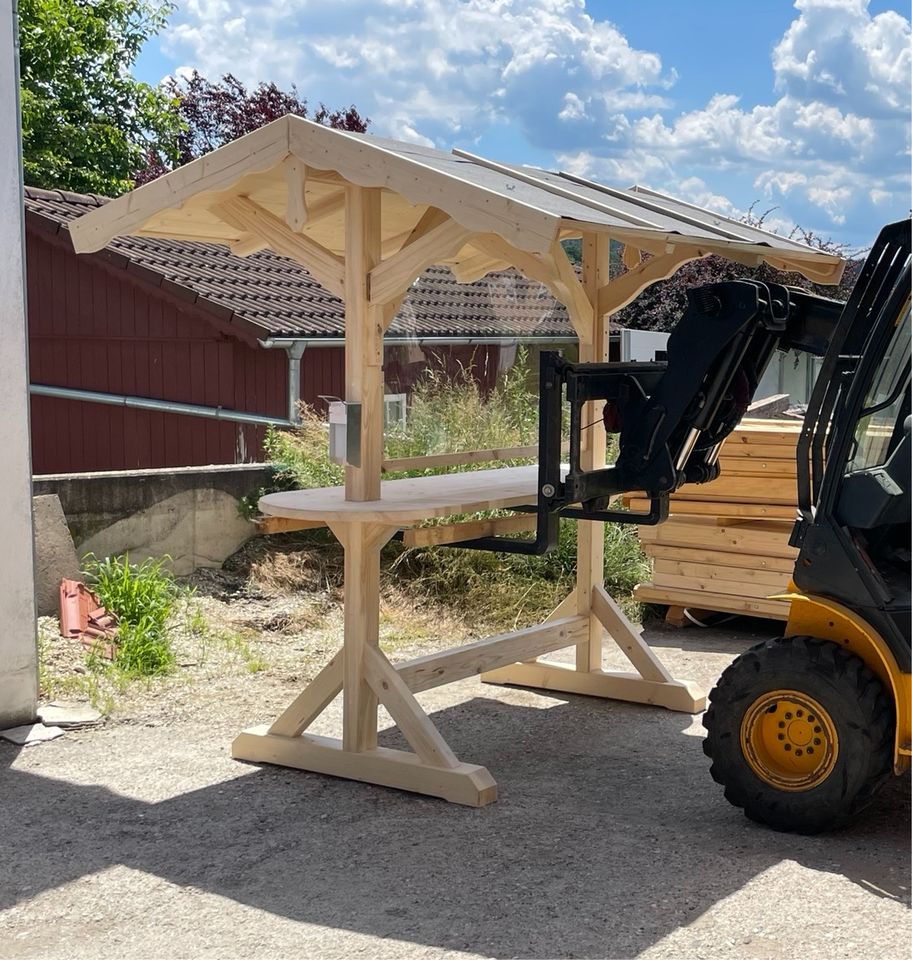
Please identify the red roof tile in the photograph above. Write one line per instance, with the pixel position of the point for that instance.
(280, 297)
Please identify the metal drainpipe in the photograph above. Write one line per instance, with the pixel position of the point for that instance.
(163, 406)
(295, 350)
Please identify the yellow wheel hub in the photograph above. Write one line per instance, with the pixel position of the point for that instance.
(789, 740)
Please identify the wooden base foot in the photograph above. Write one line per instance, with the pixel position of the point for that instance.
(674, 616)
(683, 695)
(465, 783)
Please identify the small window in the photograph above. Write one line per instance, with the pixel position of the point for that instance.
(395, 407)
(877, 427)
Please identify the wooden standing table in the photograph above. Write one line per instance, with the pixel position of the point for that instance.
(366, 678)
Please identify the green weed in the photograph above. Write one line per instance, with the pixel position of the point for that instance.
(143, 596)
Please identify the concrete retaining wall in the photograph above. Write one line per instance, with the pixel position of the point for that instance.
(188, 513)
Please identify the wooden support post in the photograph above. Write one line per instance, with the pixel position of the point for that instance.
(652, 683)
(362, 542)
(363, 339)
(590, 551)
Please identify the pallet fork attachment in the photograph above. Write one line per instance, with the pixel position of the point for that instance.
(671, 416)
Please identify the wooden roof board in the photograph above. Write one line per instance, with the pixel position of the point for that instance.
(529, 208)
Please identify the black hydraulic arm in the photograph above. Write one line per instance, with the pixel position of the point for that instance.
(670, 417)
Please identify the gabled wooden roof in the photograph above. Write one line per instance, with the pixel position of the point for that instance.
(283, 186)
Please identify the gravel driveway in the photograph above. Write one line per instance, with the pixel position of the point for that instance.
(142, 838)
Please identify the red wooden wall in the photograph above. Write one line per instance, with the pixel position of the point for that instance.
(95, 326)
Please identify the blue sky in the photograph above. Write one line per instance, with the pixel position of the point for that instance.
(800, 106)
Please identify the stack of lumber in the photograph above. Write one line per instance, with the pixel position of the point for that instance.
(725, 544)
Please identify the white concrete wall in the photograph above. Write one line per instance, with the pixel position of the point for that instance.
(18, 654)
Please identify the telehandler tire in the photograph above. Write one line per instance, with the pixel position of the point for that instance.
(800, 734)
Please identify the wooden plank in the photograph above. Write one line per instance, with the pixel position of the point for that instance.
(627, 637)
(572, 293)
(775, 580)
(469, 530)
(396, 274)
(781, 432)
(285, 524)
(743, 490)
(530, 265)
(249, 217)
(740, 450)
(361, 627)
(770, 609)
(406, 712)
(765, 537)
(737, 559)
(730, 588)
(466, 783)
(447, 666)
(248, 244)
(312, 701)
(474, 268)
(682, 695)
(777, 470)
(680, 506)
(434, 460)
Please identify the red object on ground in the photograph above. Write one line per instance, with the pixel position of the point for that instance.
(83, 618)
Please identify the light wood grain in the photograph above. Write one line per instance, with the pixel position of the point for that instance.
(467, 783)
(447, 666)
(416, 498)
(681, 695)
(285, 524)
(469, 530)
(705, 600)
(434, 460)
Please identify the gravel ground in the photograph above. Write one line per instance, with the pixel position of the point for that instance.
(142, 838)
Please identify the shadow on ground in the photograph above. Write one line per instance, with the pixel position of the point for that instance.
(607, 811)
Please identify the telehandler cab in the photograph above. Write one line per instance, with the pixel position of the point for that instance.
(802, 729)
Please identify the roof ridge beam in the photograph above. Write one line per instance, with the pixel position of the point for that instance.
(245, 215)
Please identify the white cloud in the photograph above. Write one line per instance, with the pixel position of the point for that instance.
(443, 68)
(830, 143)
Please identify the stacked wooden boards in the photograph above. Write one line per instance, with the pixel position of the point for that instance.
(725, 544)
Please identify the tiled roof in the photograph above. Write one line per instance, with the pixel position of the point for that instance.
(279, 297)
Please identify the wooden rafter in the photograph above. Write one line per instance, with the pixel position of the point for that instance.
(249, 217)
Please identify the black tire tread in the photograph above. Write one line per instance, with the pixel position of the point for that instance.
(829, 659)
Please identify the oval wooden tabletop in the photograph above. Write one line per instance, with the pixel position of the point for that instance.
(413, 499)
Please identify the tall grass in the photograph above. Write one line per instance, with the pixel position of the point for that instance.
(493, 589)
(143, 596)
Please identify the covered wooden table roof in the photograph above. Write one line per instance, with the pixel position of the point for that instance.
(283, 186)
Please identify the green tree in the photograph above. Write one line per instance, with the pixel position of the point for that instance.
(87, 123)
